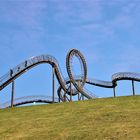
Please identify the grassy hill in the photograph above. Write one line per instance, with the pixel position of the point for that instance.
(99, 119)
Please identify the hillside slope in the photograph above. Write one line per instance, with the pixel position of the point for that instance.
(109, 118)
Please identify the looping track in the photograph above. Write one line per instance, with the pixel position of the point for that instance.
(34, 61)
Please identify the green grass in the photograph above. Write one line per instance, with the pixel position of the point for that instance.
(99, 119)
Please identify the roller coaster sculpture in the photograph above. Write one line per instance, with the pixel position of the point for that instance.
(71, 86)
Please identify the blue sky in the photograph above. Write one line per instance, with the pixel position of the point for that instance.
(106, 32)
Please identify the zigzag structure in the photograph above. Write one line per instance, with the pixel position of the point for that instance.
(68, 87)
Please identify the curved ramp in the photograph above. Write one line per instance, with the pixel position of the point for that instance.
(29, 99)
(28, 64)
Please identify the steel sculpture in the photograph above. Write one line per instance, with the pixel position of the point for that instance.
(65, 90)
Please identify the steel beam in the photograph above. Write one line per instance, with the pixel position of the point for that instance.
(70, 90)
(133, 87)
(79, 96)
(53, 84)
(82, 97)
(64, 96)
(12, 94)
(114, 91)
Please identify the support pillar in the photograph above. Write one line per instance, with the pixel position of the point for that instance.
(53, 84)
(70, 91)
(133, 87)
(59, 99)
(79, 96)
(114, 90)
(65, 97)
(12, 94)
(82, 97)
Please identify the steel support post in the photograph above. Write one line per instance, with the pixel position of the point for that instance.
(78, 96)
(82, 97)
(64, 96)
(79, 93)
(12, 94)
(53, 84)
(59, 99)
(133, 87)
(70, 91)
(114, 90)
